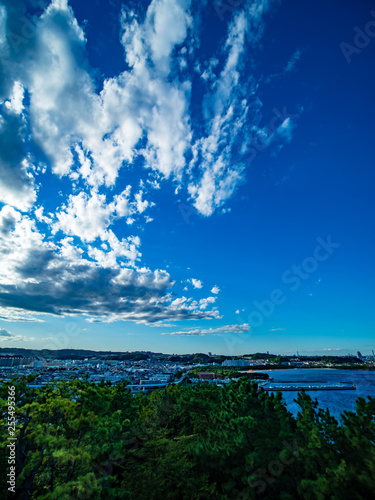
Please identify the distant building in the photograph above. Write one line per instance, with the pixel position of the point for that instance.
(6, 362)
(359, 355)
(13, 361)
(161, 377)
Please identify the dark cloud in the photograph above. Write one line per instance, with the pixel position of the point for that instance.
(48, 283)
(5, 333)
(8, 219)
(17, 186)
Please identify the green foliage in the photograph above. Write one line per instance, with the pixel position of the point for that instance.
(228, 372)
(77, 440)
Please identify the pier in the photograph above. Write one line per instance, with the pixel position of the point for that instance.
(341, 386)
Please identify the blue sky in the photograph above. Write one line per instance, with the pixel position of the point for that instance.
(182, 176)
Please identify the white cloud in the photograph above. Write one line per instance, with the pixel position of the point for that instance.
(207, 331)
(15, 103)
(196, 283)
(166, 26)
(89, 216)
(39, 214)
(69, 118)
(204, 303)
(88, 135)
(85, 216)
(226, 110)
(141, 204)
(238, 311)
(91, 135)
(232, 112)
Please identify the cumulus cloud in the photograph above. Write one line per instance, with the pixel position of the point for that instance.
(196, 283)
(89, 216)
(43, 277)
(207, 331)
(204, 303)
(141, 119)
(71, 121)
(144, 112)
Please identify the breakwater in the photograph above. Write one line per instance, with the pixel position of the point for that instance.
(342, 386)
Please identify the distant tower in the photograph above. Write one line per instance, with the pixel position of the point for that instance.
(297, 353)
(373, 353)
(359, 355)
(210, 354)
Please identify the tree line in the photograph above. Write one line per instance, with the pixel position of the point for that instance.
(78, 440)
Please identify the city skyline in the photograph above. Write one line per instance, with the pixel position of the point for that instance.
(181, 176)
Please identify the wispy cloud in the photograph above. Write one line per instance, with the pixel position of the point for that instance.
(222, 329)
(290, 66)
(7, 336)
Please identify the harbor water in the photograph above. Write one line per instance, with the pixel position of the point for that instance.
(336, 401)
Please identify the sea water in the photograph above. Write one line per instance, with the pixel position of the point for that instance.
(336, 401)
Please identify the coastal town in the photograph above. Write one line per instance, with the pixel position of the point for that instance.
(147, 371)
